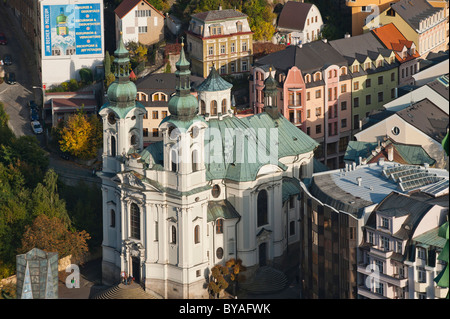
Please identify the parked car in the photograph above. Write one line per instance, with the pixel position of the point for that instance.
(32, 104)
(7, 59)
(36, 127)
(11, 78)
(3, 39)
(34, 116)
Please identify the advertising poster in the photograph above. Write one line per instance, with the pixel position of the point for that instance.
(72, 29)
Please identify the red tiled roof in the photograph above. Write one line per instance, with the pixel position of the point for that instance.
(126, 6)
(78, 103)
(394, 40)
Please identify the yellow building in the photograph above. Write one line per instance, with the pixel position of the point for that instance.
(362, 9)
(419, 22)
(374, 72)
(222, 38)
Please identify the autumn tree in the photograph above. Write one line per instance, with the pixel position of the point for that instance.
(52, 235)
(260, 18)
(218, 282)
(235, 268)
(81, 135)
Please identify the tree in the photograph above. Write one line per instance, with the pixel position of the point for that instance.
(107, 64)
(86, 76)
(81, 135)
(218, 281)
(235, 267)
(168, 68)
(260, 17)
(52, 235)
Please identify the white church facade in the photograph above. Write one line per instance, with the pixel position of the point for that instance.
(216, 187)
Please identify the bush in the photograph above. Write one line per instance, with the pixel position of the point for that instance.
(86, 75)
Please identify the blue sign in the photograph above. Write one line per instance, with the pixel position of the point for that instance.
(72, 29)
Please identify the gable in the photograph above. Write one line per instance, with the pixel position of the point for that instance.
(127, 5)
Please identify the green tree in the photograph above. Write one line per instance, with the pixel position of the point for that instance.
(107, 64)
(81, 135)
(442, 278)
(168, 68)
(235, 268)
(86, 75)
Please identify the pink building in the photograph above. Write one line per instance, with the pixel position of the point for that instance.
(314, 94)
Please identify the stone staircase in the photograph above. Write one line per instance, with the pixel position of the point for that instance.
(121, 291)
(265, 280)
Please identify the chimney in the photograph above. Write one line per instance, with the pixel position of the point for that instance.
(390, 151)
(381, 161)
(353, 166)
(359, 180)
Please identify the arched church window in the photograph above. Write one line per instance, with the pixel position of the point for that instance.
(202, 107)
(262, 214)
(174, 158)
(224, 106)
(174, 235)
(213, 107)
(133, 140)
(112, 218)
(197, 234)
(195, 161)
(113, 146)
(219, 226)
(135, 221)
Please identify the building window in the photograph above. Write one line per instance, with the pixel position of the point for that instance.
(384, 223)
(239, 26)
(318, 111)
(368, 99)
(368, 83)
(155, 132)
(356, 86)
(219, 253)
(174, 235)
(244, 46)
(195, 161)
(380, 265)
(343, 105)
(262, 205)
(219, 226)
(163, 114)
(318, 94)
(145, 132)
(223, 69)
(318, 129)
(222, 49)
(135, 221)
(356, 102)
(343, 123)
(356, 121)
(421, 275)
(215, 192)
(343, 88)
(233, 47)
(113, 146)
(393, 76)
(244, 66)
(232, 67)
(210, 50)
(355, 68)
(421, 253)
(384, 243)
(380, 80)
(197, 234)
(112, 218)
(174, 158)
(370, 238)
(292, 228)
(155, 115)
(213, 107)
(142, 29)
(380, 97)
(308, 96)
(224, 106)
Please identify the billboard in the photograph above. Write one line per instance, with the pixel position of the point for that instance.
(72, 29)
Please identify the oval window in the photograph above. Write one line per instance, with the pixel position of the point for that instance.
(111, 118)
(219, 253)
(215, 191)
(395, 130)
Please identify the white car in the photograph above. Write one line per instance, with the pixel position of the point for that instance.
(37, 127)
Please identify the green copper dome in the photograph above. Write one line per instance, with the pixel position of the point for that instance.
(122, 94)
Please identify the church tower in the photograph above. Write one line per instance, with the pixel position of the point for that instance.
(122, 115)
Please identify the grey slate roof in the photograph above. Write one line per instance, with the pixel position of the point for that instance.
(311, 57)
(216, 15)
(163, 82)
(427, 117)
(293, 15)
(412, 11)
(440, 85)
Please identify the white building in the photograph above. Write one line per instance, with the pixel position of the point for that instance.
(71, 38)
(175, 209)
(298, 23)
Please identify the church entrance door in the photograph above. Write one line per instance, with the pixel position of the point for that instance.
(136, 269)
(262, 254)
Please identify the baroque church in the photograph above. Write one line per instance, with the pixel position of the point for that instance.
(216, 187)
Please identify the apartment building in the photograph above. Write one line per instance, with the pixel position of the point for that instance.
(139, 22)
(374, 74)
(221, 38)
(404, 49)
(339, 208)
(401, 246)
(419, 22)
(314, 93)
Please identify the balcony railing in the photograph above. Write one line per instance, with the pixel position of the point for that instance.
(420, 286)
(393, 280)
(440, 292)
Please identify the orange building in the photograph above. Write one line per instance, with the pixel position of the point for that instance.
(362, 9)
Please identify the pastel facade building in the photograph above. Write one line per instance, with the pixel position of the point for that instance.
(374, 74)
(404, 49)
(314, 93)
(221, 38)
(419, 22)
(139, 22)
(299, 22)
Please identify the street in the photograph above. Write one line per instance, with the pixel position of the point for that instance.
(16, 96)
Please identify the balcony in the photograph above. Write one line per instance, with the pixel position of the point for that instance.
(395, 280)
(440, 292)
(420, 286)
(363, 291)
(380, 253)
